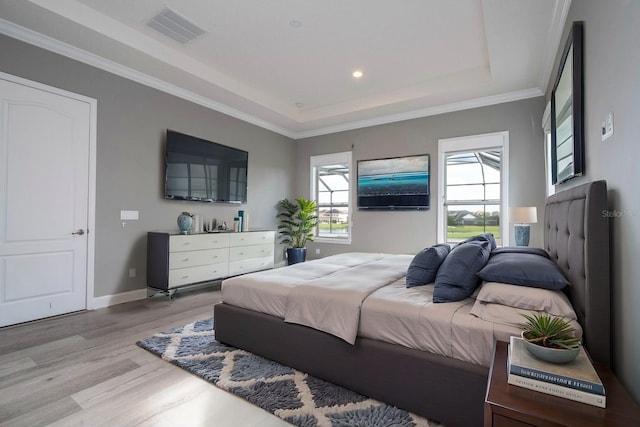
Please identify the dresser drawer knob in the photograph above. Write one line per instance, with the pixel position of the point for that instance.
(185, 260)
(185, 277)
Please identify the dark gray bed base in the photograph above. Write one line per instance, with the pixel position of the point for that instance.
(439, 388)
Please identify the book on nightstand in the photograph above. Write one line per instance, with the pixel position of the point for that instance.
(576, 380)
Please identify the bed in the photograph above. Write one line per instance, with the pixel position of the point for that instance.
(444, 385)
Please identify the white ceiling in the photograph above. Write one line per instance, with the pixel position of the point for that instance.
(419, 57)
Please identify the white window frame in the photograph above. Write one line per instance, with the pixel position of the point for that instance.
(328, 159)
(486, 141)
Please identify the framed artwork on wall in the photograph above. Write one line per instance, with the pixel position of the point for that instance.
(567, 110)
(398, 183)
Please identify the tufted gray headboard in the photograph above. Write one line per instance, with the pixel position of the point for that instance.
(577, 239)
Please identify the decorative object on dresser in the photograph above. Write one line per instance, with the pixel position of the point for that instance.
(185, 222)
(576, 380)
(175, 260)
(522, 217)
(297, 226)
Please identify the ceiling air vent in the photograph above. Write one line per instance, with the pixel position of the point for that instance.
(175, 26)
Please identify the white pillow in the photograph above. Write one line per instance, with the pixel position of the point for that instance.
(553, 302)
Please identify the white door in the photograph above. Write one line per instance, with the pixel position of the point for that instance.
(44, 185)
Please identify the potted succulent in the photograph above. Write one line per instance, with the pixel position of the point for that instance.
(550, 338)
(298, 221)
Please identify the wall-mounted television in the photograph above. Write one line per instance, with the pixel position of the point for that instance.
(204, 171)
(398, 183)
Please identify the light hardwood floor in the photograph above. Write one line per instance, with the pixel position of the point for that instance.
(85, 369)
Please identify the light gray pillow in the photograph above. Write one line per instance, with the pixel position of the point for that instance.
(527, 298)
(509, 316)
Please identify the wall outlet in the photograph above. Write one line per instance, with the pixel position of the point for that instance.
(317, 251)
(132, 272)
(607, 126)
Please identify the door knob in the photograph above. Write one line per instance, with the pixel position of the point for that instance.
(79, 232)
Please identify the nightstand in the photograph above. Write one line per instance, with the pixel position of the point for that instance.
(510, 405)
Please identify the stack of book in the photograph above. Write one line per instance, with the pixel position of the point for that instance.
(576, 380)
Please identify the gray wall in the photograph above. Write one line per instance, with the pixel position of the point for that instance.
(132, 119)
(410, 231)
(612, 63)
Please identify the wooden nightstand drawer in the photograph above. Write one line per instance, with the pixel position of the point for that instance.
(500, 421)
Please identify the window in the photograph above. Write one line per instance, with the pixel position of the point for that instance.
(331, 190)
(473, 186)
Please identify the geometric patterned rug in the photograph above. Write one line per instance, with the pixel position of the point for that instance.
(294, 396)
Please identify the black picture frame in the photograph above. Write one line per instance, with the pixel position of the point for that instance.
(567, 110)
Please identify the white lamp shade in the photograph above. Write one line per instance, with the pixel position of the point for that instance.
(527, 215)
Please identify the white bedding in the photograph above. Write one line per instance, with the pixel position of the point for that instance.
(390, 312)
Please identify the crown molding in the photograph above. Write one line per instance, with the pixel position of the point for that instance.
(425, 112)
(48, 43)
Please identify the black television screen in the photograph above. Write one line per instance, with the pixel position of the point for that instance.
(399, 183)
(201, 170)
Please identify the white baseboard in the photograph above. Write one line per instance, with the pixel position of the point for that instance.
(109, 300)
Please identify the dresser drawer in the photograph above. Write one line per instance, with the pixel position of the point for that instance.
(247, 252)
(203, 273)
(197, 242)
(196, 258)
(249, 265)
(252, 238)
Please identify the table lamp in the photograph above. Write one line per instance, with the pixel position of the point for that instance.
(522, 217)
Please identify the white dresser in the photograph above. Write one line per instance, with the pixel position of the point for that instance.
(175, 260)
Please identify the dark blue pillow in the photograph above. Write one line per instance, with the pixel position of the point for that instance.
(457, 278)
(424, 266)
(486, 236)
(520, 250)
(524, 269)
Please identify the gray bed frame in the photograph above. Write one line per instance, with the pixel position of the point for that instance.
(442, 389)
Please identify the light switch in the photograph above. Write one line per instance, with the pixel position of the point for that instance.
(607, 127)
(129, 215)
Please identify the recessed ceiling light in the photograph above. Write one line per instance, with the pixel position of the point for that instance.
(294, 23)
(299, 104)
(357, 74)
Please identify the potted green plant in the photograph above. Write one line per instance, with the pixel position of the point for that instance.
(550, 338)
(298, 221)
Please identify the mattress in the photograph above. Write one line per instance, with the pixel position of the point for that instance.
(391, 313)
